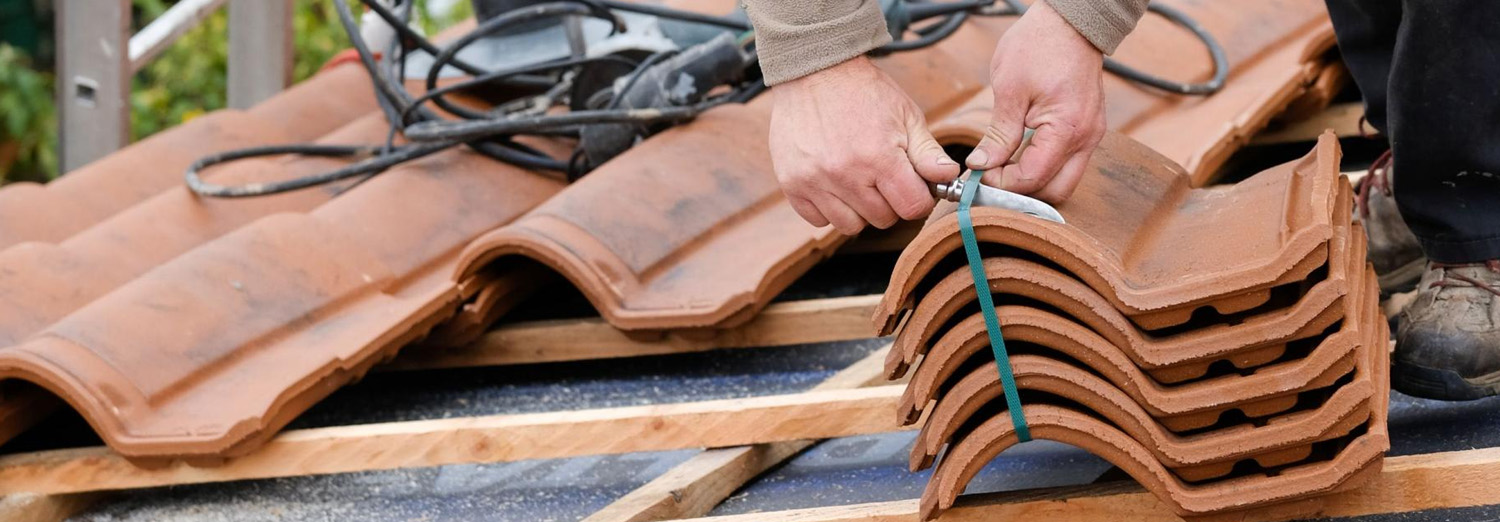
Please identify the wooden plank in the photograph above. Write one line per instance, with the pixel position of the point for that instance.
(694, 487)
(1343, 118)
(1412, 483)
(781, 324)
(498, 438)
(28, 507)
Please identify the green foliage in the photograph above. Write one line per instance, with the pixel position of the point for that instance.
(28, 137)
(186, 80)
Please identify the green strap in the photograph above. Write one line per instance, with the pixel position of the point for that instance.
(987, 306)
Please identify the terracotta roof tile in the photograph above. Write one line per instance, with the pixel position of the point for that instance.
(94, 192)
(1274, 50)
(1157, 249)
(41, 283)
(274, 316)
(1170, 358)
(1144, 459)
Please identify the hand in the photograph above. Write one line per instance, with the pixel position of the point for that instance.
(1047, 77)
(850, 149)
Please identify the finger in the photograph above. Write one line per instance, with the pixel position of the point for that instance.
(907, 194)
(1062, 185)
(1050, 147)
(871, 206)
(928, 158)
(1003, 135)
(808, 211)
(843, 218)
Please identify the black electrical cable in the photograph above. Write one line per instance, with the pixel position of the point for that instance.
(1216, 51)
(492, 77)
(491, 133)
(677, 14)
(939, 32)
(377, 158)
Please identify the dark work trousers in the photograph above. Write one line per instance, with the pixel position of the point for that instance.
(1430, 74)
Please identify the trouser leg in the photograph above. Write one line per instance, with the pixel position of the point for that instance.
(1441, 114)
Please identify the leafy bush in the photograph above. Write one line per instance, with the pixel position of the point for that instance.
(186, 80)
(28, 146)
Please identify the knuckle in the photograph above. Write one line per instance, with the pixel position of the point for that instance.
(914, 208)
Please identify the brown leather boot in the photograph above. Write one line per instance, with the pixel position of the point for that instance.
(1448, 343)
(1393, 249)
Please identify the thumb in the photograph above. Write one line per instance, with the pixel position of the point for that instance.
(1003, 136)
(928, 158)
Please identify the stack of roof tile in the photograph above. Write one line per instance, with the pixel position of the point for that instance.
(1223, 346)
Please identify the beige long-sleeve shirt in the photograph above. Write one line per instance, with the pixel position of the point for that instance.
(795, 38)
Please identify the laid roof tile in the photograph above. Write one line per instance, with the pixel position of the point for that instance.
(1140, 237)
(41, 283)
(72, 203)
(209, 354)
(116, 182)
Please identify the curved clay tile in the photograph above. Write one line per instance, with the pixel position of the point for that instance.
(41, 283)
(1255, 341)
(78, 200)
(700, 235)
(1197, 404)
(1049, 422)
(1275, 50)
(1355, 462)
(1344, 410)
(209, 354)
(1153, 247)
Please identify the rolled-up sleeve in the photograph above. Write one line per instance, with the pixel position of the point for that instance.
(797, 38)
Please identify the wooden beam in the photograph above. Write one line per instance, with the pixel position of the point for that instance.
(498, 438)
(1412, 483)
(694, 487)
(780, 324)
(1343, 118)
(28, 507)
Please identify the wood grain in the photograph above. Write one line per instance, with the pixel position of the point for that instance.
(499, 438)
(694, 487)
(781, 324)
(1405, 484)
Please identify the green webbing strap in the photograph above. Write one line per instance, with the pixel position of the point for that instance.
(987, 306)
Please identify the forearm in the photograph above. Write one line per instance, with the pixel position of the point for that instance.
(1103, 23)
(798, 38)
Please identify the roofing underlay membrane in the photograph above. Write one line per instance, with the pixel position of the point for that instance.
(144, 307)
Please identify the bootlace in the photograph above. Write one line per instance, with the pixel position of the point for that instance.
(1453, 279)
(1378, 177)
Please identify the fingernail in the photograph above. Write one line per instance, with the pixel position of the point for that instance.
(944, 160)
(978, 158)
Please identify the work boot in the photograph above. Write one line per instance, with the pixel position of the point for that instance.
(1448, 343)
(1393, 249)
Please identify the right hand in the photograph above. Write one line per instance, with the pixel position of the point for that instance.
(850, 148)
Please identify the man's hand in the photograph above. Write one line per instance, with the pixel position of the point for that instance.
(850, 149)
(1047, 77)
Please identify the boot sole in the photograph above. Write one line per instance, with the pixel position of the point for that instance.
(1443, 385)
